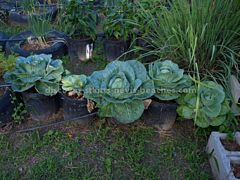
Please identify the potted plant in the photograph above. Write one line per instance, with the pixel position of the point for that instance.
(5, 7)
(75, 105)
(39, 39)
(6, 106)
(29, 8)
(3, 37)
(145, 8)
(169, 81)
(79, 22)
(118, 29)
(37, 77)
(207, 105)
(119, 90)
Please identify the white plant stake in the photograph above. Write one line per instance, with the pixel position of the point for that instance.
(89, 51)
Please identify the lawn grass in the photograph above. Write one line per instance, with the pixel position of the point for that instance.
(103, 152)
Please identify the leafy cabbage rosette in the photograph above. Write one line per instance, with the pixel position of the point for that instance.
(119, 90)
(75, 83)
(38, 71)
(169, 80)
(208, 106)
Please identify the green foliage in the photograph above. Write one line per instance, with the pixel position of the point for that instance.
(7, 63)
(118, 23)
(74, 83)
(202, 31)
(169, 80)
(28, 6)
(38, 71)
(142, 23)
(19, 110)
(40, 27)
(208, 106)
(79, 20)
(119, 90)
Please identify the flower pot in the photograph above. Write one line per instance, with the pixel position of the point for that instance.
(141, 43)
(80, 49)
(75, 108)
(223, 161)
(6, 107)
(114, 48)
(16, 17)
(3, 36)
(57, 49)
(161, 114)
(40, 107)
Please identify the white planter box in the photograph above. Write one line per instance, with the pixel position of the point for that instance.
(220, 159)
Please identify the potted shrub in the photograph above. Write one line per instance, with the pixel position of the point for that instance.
(118, 29)
(28, 9)
(79, 22)
(169, 81)
(119, 90)
(37, 77)
(75, 105)
(40, 39)
(207, 105)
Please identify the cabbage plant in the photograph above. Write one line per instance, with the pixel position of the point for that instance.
(38, 71)
(207, 106)
(119, 90)
(74, 83)
(169, 79)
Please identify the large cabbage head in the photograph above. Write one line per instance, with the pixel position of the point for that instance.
(169, 79)
(38, 71)
(74, 82)
(208, 106)
(119, 90)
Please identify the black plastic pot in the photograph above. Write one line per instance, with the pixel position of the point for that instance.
(5, 8)
(114, 48)
(58, 49)
(161, 114)
(75, 108)
(3, 37)
(6, 108)
(40, 107)
(17, 18)
(80, 49)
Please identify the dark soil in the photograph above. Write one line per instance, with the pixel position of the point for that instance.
(35, 45)
(230, 145)
(236, 170)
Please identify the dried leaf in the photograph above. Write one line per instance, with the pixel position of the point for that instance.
(147, 103)
(90, 106)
